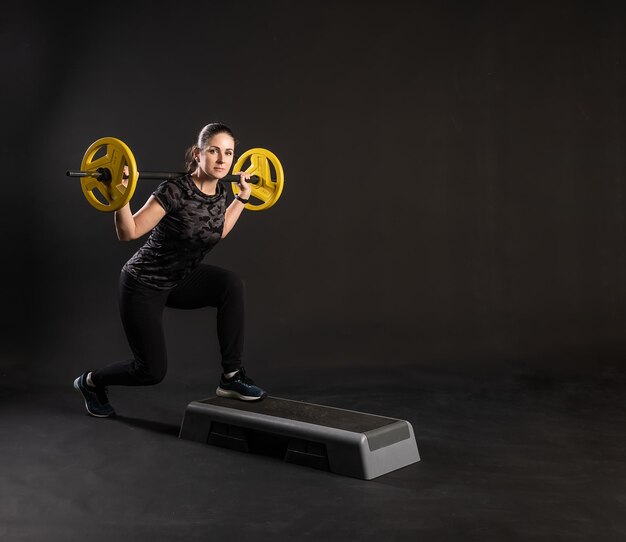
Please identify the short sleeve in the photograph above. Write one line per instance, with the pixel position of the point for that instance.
(169, 195)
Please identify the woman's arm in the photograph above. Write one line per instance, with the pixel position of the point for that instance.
(234, 210)
(129, 226)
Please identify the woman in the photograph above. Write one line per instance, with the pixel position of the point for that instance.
(186, 217)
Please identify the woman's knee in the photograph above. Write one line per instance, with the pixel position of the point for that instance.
(148, 376)
(233, 283)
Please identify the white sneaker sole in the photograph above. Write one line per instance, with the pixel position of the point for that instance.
(220, 392)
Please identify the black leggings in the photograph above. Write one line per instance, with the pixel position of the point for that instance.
(141, 309)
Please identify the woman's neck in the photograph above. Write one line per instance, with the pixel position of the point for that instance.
(205, 184)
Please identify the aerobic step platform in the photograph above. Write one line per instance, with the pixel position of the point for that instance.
(340, 441)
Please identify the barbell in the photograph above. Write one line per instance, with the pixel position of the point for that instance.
(107, 188)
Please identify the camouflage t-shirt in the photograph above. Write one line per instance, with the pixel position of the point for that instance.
(192, 226)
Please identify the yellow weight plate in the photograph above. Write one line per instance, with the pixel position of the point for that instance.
(113, 193)
(267, 190)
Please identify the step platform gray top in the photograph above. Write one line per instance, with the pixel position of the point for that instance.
(348, 420)
(376, 428)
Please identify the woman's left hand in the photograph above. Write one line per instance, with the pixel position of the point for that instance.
(244, 186)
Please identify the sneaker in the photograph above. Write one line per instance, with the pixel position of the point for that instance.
(96, 401)
(239, 386)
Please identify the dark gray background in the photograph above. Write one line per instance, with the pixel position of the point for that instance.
(454, 177)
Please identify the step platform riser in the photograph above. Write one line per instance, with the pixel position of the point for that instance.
(341, 441)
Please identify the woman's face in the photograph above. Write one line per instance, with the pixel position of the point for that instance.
(217, 157)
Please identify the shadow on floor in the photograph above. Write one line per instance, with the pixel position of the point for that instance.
(150, 425)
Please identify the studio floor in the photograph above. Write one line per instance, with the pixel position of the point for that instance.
(512, 454)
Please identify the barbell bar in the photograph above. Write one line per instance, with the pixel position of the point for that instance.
(105, 175)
